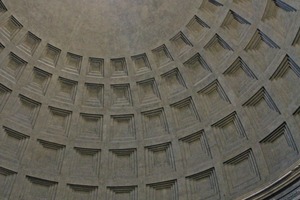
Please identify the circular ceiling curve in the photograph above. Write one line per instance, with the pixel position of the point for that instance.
(104, 27)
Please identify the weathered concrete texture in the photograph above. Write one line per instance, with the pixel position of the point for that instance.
(149, 100)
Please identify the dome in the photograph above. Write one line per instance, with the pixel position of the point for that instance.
(149, 99)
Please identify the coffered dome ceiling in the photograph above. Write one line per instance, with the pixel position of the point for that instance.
(149, 99)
